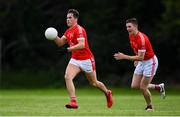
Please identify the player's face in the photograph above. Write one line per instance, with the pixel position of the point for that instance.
(71, 21)
(131, 28)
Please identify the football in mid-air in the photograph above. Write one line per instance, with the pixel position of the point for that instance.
(51, 33)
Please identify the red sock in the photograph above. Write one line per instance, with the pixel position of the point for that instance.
(73, 99)
(157, 87)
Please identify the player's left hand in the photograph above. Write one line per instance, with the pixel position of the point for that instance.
(119, 56)
(135, 63)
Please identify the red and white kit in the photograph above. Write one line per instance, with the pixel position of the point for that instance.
(82, 58)
(149, 65)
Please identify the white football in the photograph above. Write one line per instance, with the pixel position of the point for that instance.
(51, 33)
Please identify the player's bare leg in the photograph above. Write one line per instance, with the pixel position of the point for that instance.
(135, 84)
(146, 93)
(160, 88)
(71, 72)
(94, 82)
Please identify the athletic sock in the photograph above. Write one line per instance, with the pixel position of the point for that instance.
(149, 107)
(73, 98)
(157, 87)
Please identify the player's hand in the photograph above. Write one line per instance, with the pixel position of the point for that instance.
(119, 56)
(135, 63)
(62, 51)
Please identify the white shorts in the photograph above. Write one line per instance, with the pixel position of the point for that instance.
(147, 67)
(87, 65)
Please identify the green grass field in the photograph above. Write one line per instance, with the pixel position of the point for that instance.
(50, 102)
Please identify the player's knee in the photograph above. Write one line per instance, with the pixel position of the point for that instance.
(134, 86)
(94, 84)
(142, 88)
(67, 77)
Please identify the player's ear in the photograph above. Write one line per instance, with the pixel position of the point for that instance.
(135, 25)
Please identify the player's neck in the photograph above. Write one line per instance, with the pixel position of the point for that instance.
(135, 32)
(73, 25)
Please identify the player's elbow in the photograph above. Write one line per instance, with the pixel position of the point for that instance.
(82, 45)
(140, 58)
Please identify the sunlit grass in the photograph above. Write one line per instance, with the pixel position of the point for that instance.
(50, 102)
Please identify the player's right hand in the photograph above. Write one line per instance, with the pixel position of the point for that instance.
(119, 56)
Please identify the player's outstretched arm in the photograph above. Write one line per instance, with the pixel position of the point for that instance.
(139, 57)
(60, 41)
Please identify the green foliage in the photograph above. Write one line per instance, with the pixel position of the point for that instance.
(24, 46)
(168, 36)
(32, 79)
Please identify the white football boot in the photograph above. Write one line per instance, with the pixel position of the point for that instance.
(162, 91)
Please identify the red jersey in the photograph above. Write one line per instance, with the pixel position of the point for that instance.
(72, 34)
(141, 42)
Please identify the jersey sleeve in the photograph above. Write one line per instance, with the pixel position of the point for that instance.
(141, 43)
(79, 33)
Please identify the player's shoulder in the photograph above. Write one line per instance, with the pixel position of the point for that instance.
(142, 35)
(79, 29)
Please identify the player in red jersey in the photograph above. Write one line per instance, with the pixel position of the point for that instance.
(82, 59)
(145, 61)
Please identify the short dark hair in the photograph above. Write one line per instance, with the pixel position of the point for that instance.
(132, 20)
(74, 12)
